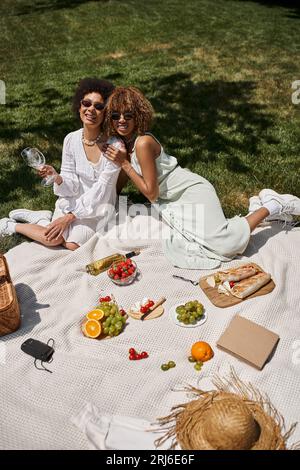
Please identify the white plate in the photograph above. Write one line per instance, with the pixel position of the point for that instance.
(173, 316)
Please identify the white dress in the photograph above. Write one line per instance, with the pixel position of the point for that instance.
(88, 190)
(201, 236)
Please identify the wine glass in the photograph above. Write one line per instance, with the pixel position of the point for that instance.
(35, 159)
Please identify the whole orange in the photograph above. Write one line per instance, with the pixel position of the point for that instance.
(201, 351)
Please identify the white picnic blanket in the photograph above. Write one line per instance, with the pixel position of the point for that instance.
(36, 407)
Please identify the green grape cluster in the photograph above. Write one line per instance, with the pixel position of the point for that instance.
(113, 321)
(190, 313)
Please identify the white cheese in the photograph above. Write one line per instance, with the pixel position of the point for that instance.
(211, 281)
(222, 289)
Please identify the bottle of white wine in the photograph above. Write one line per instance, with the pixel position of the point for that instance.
(103, 264)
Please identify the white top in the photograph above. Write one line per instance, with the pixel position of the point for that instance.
(172, 179)
(86, 189)
(164, 163)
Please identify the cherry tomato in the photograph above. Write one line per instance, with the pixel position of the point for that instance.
(144, 355)
(151, 303)
(132, 357)
(132, 351)
(231, 284)
(143, 309)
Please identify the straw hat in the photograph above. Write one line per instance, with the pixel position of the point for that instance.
(223, 420)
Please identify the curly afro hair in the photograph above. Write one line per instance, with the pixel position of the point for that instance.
(124, 99)
(90, 85)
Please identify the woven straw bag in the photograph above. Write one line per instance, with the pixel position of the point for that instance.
(9, 306)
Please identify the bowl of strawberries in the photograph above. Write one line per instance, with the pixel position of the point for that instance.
(123, 273)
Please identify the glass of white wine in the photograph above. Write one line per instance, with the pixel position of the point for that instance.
(35, 159)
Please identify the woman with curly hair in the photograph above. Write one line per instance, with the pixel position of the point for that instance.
(86, 185)
(201, 235)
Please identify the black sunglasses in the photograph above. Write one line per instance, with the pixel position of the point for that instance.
(116, 116)
(89, 103)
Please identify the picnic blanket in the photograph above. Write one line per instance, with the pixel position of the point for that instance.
(55, 293)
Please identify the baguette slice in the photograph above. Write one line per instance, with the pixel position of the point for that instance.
(248, 286)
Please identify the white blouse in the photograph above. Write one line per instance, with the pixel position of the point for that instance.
(87, 188)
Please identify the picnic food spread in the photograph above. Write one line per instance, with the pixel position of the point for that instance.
(107, 319)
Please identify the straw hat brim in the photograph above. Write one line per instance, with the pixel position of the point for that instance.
(191, 434)
(234, 416)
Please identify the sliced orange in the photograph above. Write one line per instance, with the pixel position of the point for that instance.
(91, 328)
(96, 314)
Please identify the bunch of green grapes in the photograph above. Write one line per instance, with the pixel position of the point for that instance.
(190, 312)
(113, 320)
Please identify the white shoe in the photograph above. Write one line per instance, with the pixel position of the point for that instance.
(290, 205)
(30, 217)
(7, 226)
(255, 203)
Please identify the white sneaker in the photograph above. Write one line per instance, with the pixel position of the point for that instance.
(7, 226)
(290, 205)
(31, 217)
(255, 203)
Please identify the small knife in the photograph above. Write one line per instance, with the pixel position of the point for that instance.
(157, 304)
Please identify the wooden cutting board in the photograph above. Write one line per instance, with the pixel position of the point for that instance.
(157, 312)
(223, 301)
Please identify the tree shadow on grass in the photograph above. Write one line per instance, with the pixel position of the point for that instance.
(292, 5)
(199, 122)
(42, 6)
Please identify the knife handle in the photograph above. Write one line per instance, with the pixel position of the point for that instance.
(158, 303)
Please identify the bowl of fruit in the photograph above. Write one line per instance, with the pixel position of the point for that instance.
(188, 315)
(105, 321)
(123, 273)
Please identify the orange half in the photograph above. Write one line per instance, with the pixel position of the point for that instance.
(91, 328)
(96, 314)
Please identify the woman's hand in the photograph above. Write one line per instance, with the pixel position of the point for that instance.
(47, 170)
(58, 226)
(118, 156)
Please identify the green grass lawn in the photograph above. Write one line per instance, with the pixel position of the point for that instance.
(219, 75)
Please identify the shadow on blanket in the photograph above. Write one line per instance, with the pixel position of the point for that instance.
(259, 239)
(29, 310)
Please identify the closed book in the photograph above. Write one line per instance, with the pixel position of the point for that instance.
(248, 341)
